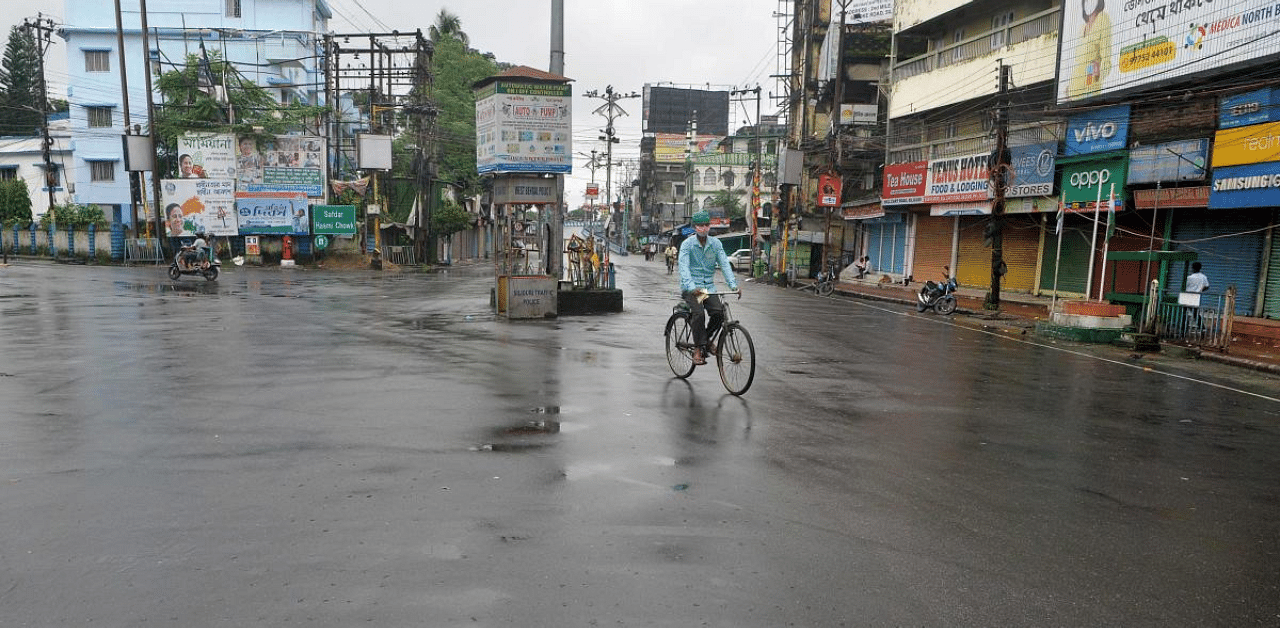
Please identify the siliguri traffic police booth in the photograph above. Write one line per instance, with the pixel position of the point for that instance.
(524, 133)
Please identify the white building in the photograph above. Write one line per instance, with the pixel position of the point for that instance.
(23, 158)
(276, 43)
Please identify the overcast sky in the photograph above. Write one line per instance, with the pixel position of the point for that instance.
(624, 43)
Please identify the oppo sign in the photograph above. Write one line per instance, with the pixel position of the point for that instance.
(1089, 179)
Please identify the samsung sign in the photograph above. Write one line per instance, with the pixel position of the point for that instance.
(1098, 131)
(1252, 185)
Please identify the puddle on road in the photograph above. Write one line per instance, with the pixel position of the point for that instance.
(525, 436)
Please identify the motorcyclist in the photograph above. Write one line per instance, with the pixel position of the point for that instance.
(192, 255)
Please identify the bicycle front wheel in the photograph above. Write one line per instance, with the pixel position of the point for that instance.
(680, 346)
(825, 288)
(736, 357)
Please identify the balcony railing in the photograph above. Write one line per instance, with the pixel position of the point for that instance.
(1017, 32)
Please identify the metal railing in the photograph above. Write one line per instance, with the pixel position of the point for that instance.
(981, 45)
(399, 255)
(1207, 324)
(142, 250)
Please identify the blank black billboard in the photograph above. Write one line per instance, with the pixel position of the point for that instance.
(669, 109)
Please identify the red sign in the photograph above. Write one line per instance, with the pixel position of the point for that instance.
(593, 190)
(829, 190)
(1172, 197)
(904, 183)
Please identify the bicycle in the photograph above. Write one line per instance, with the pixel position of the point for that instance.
(735, 353)
(826, 283)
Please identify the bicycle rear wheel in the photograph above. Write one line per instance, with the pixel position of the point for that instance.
(736, 357)
(825, 288)
(680, 346)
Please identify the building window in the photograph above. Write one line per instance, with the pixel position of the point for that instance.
(1000, 29)
(958, 36)
(233, 8)
(729, 179)
(709, 177)
(8, 173)
(102, 171)
(52, 177)
(99, 117)
(677, 190)
(97, 61)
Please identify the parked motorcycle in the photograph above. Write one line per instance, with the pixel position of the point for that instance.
(940, 296)
(205, 268)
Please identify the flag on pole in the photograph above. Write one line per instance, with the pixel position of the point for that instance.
(1061, 215)
(1111, 213)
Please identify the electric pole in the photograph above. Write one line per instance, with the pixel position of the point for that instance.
(999, 179)
(44, 31)
(610, 110)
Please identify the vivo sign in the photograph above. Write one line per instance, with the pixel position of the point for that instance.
(1098, 131)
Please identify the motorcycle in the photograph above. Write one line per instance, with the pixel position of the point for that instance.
(940, 296)
(206, 268)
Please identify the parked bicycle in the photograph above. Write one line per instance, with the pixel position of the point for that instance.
(734, 352)
(826, 282)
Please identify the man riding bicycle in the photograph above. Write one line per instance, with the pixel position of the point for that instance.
(699, 258)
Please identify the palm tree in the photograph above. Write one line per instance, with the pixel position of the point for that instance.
(448, 26)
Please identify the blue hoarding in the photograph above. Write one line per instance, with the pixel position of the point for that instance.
(1253, 107)
(1097, 131)
(1252, 185)
(1182, 160)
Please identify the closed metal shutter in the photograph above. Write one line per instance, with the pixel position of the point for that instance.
(974, 258)
(1229, 242)
(887, 246)
(933, 247)
(1021, 243)
(1072, 266)
(1271, 306)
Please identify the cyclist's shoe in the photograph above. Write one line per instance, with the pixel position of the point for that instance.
(697, 357)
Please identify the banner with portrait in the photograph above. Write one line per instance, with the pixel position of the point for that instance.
(274, 213)
(192, 206)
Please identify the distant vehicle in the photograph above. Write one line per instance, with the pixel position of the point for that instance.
(740, 260)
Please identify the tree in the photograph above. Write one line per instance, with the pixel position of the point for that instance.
(453, 138)
(21, 98)
(450, 219)
(75, 215)
(212, 96)
(15, 203)
(448, 26)
(729, 202)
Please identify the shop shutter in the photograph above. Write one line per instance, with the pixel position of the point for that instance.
(1073, 265)
(1229, 242)
(933, 247)
(974, 258)
(1021, 244)
(1271, 306)
(886, 245)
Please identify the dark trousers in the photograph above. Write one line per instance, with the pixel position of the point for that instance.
(697, 316)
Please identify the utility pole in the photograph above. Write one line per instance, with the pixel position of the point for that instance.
(690, 147)
(44, 29)
(610, 110)
(756, 173)
(999, 179)
(151, 130)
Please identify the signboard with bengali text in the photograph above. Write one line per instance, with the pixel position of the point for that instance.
(524, 127)
(195, 205)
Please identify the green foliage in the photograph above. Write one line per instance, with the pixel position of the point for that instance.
(188, 105)
(730, 203)
(15, 202)
(448, 26)
(21, 94)
(453, 139)
(450, 219)
(74, 214)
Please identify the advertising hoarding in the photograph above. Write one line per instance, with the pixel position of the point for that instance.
(1084, 181)
(1169, 161)
(1251, 185)
(1254, 144)
(272, 213)
(524, 127)
(669, 110)
(1097, 131)
(669, 147)
(1253, 107)
(283, 163)
(195, 205)
(1032, 170)
(1131, 44)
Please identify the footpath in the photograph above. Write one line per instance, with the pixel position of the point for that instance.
(1256, 349)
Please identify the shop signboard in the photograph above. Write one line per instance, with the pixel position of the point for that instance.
(196, 205)
(524, 127)
(1250, 185)
(1182, 160)
(1032, 170)
(530, 189)
(959, 179)
(333, 219)
(1097, 131)
(829, 186)
(1249, 108)
(272, 213)
(904, 183)
(1255, 144)
(1166, 198)
(281, 163)
(1084, 181)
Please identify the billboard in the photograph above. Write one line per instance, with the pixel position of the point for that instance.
(195, 205)
(524, 127)
(863, 11)
(1085, 182)
(959, 179)
(1032, 170)
(669, 147)
(282, 163)
(276, 213)
(1255, 107)
(1113, 47)
(1182, 160)
(1097, 131)
(669, 110)
(904, 183)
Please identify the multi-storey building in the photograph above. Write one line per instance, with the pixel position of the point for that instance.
(277, 43)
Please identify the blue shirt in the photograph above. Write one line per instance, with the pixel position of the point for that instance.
(698, 265)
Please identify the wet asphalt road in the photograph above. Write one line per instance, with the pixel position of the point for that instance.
(350, 448)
